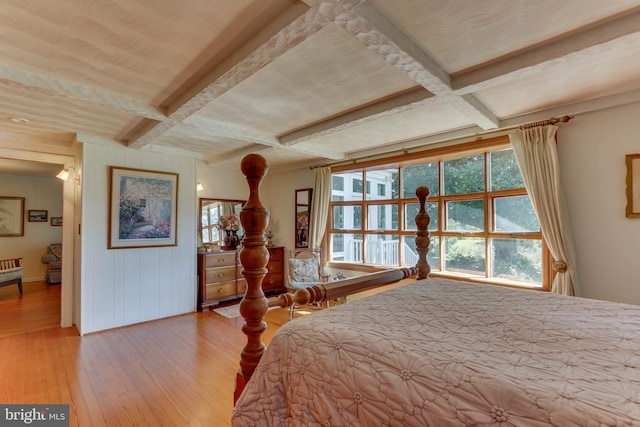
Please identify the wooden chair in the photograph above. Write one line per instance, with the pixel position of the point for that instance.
(305, 271)
(11, 273)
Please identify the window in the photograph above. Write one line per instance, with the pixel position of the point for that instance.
(482, 227)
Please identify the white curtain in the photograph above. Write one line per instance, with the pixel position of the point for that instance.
(537, 155)
(320, 206)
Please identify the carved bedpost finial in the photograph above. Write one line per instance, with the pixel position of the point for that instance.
(422, 235)
(253, 257)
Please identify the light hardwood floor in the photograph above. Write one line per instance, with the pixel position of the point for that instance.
(178, 371)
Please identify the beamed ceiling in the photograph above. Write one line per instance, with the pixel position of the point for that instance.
(305, 82)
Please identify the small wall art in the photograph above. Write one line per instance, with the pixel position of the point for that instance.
(38, 215)
(56, 221)
(633, 185)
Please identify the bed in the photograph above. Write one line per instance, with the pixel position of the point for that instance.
(441, 352)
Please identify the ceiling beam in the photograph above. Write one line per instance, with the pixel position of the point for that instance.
(379, 34)
(601, 36)
(236, 71)
(218, 129)
(58, 88)
(385, 108)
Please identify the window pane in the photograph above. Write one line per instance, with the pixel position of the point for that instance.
(466, 215)
(346, 247)
(505, 173)
(383, 217)
(337, 247)
(464, 176)
(338, 217)
(205, 236)
(410, 254)
(342, 186)
(515, 215)
(385, 181)
(465, 255)
(337, 182)
(412, 209)
(382, 249)
(356, 217)
(517, 259)
(347, 217)
(415, 176)
(357, 185)
(433, 256)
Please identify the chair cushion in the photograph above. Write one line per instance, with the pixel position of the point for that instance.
(305, 270)
(10, 274)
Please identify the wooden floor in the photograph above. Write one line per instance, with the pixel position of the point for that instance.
(37, 308)
(178, 371)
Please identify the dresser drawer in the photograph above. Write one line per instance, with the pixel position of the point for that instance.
(222, 274)
(220, 290)
(242, 287)
(275, 267)
(276, 254)
(273, 281)
(219, 260)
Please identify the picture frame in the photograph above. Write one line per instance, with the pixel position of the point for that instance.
(143, 208)
(633, 185)
(38, 215)
(56, 221)
(11, 216)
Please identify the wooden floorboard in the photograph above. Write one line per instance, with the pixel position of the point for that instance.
(178, 371)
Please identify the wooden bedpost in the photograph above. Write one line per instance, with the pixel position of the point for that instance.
(253, 257)
(422, 235)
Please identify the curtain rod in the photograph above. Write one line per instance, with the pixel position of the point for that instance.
(522, 126)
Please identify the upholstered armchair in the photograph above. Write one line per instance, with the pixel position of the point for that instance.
(305, 270)
(53, 259)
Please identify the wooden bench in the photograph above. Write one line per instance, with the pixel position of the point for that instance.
(11, 273)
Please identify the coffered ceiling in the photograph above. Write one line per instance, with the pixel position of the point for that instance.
(304, 82)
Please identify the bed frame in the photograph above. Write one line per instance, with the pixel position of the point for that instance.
(254, 257)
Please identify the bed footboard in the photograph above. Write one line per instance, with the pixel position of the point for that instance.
(341, 288)
(254, 256)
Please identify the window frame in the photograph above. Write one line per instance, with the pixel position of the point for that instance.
(488, 196)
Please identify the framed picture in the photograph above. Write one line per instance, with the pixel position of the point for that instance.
(56, 221)
(143, 209)
(633, 185)
(38, 215)
(11, 216)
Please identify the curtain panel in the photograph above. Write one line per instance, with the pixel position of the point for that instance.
(536, 152)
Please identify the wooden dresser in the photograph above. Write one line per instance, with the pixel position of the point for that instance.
(220, 276)
(273, 282)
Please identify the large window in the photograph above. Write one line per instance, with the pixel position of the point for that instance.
(482, 227)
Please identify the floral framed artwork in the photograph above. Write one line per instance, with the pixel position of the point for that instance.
(11, 216)
(633, 185)
(143, 209)
(38, 215)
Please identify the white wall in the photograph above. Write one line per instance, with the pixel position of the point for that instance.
(126, 286)
(40, 193)
(592, 151)
(281, 189)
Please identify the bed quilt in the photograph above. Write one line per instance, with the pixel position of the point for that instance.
(440, 352)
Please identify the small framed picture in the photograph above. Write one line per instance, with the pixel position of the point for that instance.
(56, 221)
(633, 185)
(38, 216)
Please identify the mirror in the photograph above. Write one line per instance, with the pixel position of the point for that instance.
(303, 215)
(210, 212)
